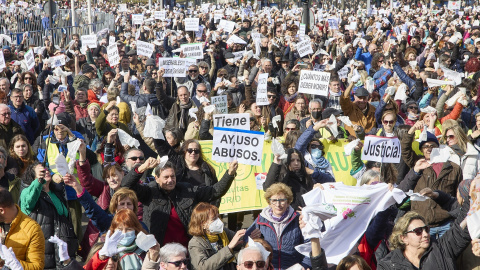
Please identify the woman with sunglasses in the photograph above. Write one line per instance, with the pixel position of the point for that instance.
(27, 77)
(279, 226)
(212, 246)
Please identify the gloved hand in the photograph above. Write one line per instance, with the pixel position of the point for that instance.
(62, 247)
(9, 257)
(110, 248)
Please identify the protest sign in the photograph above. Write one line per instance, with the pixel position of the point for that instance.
(302, 29)
(160, 15)
(233, 120)
(238, 55)
(145, 48)
(191, 24)
(193, 50)
(256, 36)
(382, 149)
(113, 56)
(262, 98)
(174, 67)
(412, 31)
(57, 61)
(2, 61)
(235, 39)
(30, 59)
(89, 40)
(111, 40)
(314, 82)
(304, 47)
(220, 103)
(227, 26)
(217, 16)
(198, 34)
(453, 5)
(343, 73)
(122, 8)
(245, 146)
(333, 24)
(137, 19)
(189, 62)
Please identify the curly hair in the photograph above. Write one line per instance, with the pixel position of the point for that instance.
(286, 83)
(472, 65)
(400, 229)
(279, 188)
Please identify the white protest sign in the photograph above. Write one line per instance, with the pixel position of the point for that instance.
(302, 29)
(412, 31)
(191, 24)
(111, 40)
(235, 39)
(137, 19)
(304, 47)
(233, 120)
(220, 103)
(198, 34)
(30, 59)
(57, 61)
(145, 48)
(262, 98)
(333, 24)
(122, 7)
(343, 73)
(89, 40)
(238, 55)
(217, 17)
(227, 26)
(256, 36)
(174, 67)
(382, 149)
(160, 15)
(193, 50)
(2, 61)
(189, 62)
(314, 82)
(113, 56)
(454, 5)
(245, 146)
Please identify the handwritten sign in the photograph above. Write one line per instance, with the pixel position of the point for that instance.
(314, 82)
(174, 67)
(382, 149)
(145, 48)
(193, 50)
(113, 56)
(137, 19)
(262, 98)
(191, 24)
(304, 47)
(89, 40)
(220, 103)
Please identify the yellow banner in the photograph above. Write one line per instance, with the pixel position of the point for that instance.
(243, 195)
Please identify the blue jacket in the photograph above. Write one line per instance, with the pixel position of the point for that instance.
(284, 253)
(365, 57)
(26, 117)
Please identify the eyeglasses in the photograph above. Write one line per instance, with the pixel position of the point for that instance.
(193, 71)
(192, 150)
(449, 137)
(389, 122)
(201, 91)
(281, 201)
(418, 231)
(249, 264)
(413, 107)
(21, 57)
(271, 96)
(314, 146)
(203, 67)
(290, 129)
(179, 263)
(2, 156)
(135, 158)
(16, 97)
(431, 146)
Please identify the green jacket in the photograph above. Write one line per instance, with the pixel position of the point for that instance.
(103, 127)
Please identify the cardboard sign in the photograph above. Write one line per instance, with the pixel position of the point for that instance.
(382, 149)
(137, 19)
(234, 120)
(220, 103)
(174, 67)
(145, 48)
(262, 98)
(160, 15)
(57, 61)
(304, 47)
(191, 24)
(314, 82)
(113, 56)
(193, 50)
(245, 146)
(227, 26)
(2, 61)
(30, 59)
(89, 40)
(454, 5)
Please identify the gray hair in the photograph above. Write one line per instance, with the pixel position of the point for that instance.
(316, 100)
(249, 248)
(171, 250)
(95, 83)
(3, 106)
(203, 63)
(264, 60)
(369, 176)
(5, 79)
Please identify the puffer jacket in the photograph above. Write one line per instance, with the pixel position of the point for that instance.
(26, 239)
(184, 197)
(204, 257)
(27, 118)
(283, 245)
(469, 162)
(44, 212)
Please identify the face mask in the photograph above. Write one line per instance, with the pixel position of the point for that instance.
(128, 238)
(216, 227)
(375, 103)
(316, 115)
(316, 153)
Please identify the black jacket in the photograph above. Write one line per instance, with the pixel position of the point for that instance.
(184, 197)
(87, 129)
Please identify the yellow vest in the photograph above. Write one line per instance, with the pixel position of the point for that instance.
(52, 153)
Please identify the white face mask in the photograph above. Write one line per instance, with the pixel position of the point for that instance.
(216, 227)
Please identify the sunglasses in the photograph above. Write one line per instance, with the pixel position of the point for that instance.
(222, 75)
(203, 67)
(389, 122)
(271, 96)
(179, 263)
(200, 91)
(449, 137)
(195, 151)
(193, 71)
(28, 78)
(252, 118)
(135, 158)
(314, 146)
(418, 231)
(249, 264)
(115, 258)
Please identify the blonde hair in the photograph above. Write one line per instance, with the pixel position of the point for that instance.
(400, 229)
(453, 125)
(279, 188)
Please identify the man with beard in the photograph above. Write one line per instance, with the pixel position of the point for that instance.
(359, 111)
(192, 80)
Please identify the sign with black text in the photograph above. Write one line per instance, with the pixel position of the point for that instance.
(232, 120)
(314, 82)
(145, 48)
(174, 67)
(245, 146)
(193, 50)
(262, 98)
(382, 149)
(191, 24)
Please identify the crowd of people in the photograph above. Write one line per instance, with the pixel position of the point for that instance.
(76, 137)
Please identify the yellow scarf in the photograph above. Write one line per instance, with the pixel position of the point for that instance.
(213, 238)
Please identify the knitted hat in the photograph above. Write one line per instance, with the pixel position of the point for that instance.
(87, 68)
(93, 104)
(430, 138)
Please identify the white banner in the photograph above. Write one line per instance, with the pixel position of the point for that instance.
(89, 40)
(57, 61)
(191, 24)
(454, 5)
(382, 149)
(314, 82)
(174, 67)
(304, 47)
(262, 98)
(113, 56)
(245, 146)
(193, 50)
(227, 26)
(220, 103)
(145, 48)
(30, 59)
(2, 61)
(137, 19)
(232, 120)
(160, 15)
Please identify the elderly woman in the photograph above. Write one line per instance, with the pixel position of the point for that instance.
(173, 256)
(96, 92)
(108, 119)
(279, 225)
(212, 245)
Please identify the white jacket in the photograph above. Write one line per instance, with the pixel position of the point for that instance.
(470, 162)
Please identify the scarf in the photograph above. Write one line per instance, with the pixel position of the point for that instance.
(213, 238)
(184, 114)
(321, 163)
(335, 94)
(291, 98)
(83, 104)
(278, 219)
